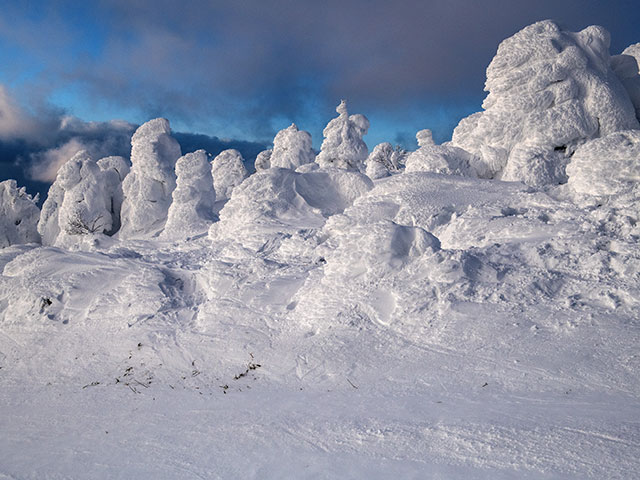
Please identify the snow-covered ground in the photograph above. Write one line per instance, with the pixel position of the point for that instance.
(327, 325)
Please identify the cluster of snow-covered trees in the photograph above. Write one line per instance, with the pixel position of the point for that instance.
(559, 110)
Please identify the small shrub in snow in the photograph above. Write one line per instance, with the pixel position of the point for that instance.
(384, 160)
(263, 160)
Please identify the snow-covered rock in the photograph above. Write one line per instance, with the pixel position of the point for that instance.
(291, 148)
(606, 166)
(343, 146)
(549, 91)
(115, 169)
(228, 171)
(383, 161)
(263, 160)
(148, 187)
(445, 159)
(18, 215)
(626, 68)
(78, 203)
(191, 210)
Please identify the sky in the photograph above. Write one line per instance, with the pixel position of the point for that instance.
(232, 73)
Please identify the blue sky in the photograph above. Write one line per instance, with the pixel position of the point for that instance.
(245, 69)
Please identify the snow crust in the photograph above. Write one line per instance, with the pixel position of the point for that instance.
(228, 171)
(549, 92)
(192, 207)
(18, 215)
(343, 146)
(148, 187)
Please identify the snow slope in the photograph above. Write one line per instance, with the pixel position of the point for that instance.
(419, 325)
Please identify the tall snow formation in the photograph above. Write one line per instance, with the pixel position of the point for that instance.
(444, 159)
(343, 146)
(148, 187)
(78, 202)
(549, 92)
(18, 215)
(191, 210)
(383, 161)
(626, 68)
(606, 166)
(291, 148)
(115, 169)
(228, 171)
(263, 160)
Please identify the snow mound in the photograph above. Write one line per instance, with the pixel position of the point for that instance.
(228, 171)
(191, 210)
(280, 202)
(263, 160)
(445, 159)
(606, 166)
(115, 169)
(549, 91)
(148, 187)
(625, 67)
(78, 203)
(343, 146)
(18, 215)
(384, 160)
(291, 148)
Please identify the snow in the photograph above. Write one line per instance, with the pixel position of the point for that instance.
(343, 146)
(263, 160)
(192, 209)
(115, 169)
(549, 92)
(228, 172)
(18, 215)
(421, 323)
(148, 186)
(625, 67)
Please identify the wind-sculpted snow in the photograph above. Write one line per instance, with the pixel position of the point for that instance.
(79, 203)
(18, 215)
(228, 171)
(343, 146)
(607, 166)
(192, 208)
(291, 148)
(147, 188)
(549, 91)
(444, 159)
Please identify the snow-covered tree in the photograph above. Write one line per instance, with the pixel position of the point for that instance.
(626, 68)
(445, 159)
(291, 148)
(77, 204)
(263, 160)
(228, 171)
(343, 146)
(18, 215)
(115, 169)
(191, 210)
(148, 187)
(384, 160)
(549, 92)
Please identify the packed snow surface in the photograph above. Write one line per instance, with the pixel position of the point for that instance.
(433, 321)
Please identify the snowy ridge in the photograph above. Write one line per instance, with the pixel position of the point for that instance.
(427, 319)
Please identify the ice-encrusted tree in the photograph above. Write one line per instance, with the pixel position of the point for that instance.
(115, 169)
(384, 160)
(263, 160)
(18, 215)
(445, 159)
(343, 146)
(549, 92)
(291, 148)
(191, 210)
(626, 68)
(148, 187)
(228, 171)
(77, 202)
